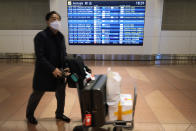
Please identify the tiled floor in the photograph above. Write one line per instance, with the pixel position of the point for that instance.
(166, 96)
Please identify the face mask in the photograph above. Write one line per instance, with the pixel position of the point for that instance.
(56, 25)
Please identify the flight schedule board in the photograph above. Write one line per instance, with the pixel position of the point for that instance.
(106, 22)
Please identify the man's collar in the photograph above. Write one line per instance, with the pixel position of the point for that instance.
(50, 32)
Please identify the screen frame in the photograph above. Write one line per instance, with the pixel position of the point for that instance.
(116, 45)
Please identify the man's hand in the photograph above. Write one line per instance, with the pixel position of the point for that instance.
(57, 73)
(67, 71)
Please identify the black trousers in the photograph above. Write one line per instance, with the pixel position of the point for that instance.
(36, 96)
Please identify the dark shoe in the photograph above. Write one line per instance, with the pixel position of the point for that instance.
(78, 128)
(32, 120)
(63, 118)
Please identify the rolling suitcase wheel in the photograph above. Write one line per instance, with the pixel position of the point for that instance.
(115, 129)
(80, 128)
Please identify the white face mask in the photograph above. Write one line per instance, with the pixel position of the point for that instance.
(56, 25)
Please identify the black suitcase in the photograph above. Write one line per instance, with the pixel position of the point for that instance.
(93, 100)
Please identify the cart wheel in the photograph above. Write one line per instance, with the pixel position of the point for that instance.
(114, 129)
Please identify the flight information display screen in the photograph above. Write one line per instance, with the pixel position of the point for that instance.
(106, 22)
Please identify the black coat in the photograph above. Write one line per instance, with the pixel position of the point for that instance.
(50, 53)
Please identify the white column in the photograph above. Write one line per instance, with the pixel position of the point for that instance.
(53, 5)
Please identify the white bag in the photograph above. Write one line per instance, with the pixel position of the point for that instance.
(113, 86)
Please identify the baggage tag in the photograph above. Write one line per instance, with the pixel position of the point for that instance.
(89, 76)
(88, 119)
(74, 78)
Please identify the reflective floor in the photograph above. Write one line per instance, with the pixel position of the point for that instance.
(166, 96)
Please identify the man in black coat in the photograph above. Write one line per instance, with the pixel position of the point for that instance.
(50, 54)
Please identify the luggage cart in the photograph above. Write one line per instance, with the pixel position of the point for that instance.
(118, 125)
